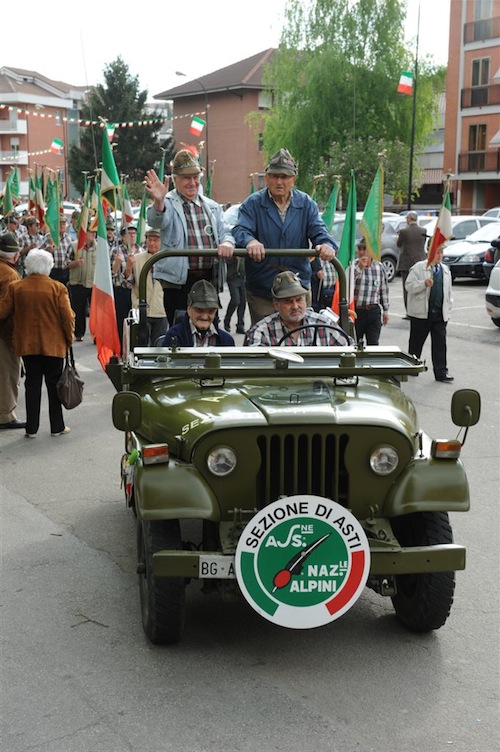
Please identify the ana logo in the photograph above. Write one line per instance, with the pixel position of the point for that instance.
(302, 562)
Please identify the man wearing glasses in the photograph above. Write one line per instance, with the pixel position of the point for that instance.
(278, 216)
(186, 219)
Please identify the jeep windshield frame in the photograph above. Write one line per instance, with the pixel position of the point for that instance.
(238, 253)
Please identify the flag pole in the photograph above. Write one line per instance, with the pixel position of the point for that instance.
(414, 107)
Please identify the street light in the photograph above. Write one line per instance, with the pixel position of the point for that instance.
(180, 73)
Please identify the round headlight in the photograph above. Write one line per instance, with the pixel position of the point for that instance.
(384, 460)
(221, 461)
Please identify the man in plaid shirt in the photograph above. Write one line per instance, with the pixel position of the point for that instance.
(371, 296)
(289, 298)
(186, 219)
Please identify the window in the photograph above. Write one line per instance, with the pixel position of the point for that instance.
(479, 81)
(477, 143)
(477, 137)
(480, 71)
(482, 9)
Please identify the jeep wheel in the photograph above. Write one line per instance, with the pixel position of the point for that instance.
(162, 598)
(423, 601)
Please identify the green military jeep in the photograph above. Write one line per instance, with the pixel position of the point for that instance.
(305, 468)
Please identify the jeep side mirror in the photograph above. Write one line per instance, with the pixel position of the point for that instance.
(126, 411)
(465, 407)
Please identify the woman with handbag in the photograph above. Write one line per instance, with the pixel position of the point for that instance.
(43, 325)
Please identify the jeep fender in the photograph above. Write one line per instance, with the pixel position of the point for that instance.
(429, 486)
(173, 491)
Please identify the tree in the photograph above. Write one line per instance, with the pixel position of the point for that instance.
(334, 81)
(118, 101)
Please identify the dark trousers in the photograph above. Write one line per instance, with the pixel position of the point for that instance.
(237, 302)
(368, 324)
(419, 330)
(62, 275)
(404, 277)
(157, 327)
(123, 304)
(175, 299)
(80, 297)
(36, 368)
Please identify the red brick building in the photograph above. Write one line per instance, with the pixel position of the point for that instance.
(472, 124)
(228, 96)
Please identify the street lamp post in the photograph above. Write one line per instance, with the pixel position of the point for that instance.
(180, 73)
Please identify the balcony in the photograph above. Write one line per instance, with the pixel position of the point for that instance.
(13, 127)
(14, 157)
(479, 161)
(480, 31)
(480, 96)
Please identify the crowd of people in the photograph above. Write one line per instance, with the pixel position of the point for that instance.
(289, 297)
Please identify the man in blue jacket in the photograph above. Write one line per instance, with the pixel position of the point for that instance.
(278, 216)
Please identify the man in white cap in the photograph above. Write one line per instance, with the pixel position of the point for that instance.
(10, 364)
(156, 316)
(289, 300)
(186, 219)
(279, 216)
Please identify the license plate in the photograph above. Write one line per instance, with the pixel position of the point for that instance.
(215, 567)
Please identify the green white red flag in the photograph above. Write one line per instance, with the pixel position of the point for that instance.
(110, 182)
(102, 319)
(405, 85)
(197, 125)
(127, 213)
(56, 146)
(443, 230)
(141, 222)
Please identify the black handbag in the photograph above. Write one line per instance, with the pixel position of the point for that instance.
(70, 385)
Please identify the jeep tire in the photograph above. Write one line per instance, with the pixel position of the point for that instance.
(423, 601)
(162, 598)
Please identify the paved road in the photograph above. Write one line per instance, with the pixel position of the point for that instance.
(78, 674)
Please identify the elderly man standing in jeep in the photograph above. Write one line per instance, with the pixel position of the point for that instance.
(278, 216)
(186, 219)
(289, 301)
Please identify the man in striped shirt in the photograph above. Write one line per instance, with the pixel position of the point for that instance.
(289, 298)
(371, 296)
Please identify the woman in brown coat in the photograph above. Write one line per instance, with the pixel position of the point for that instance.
(43, 325)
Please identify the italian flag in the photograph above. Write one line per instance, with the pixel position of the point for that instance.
(102, 319)
(110, 182)
(56, 146)
(196, 126)
(443, 229)
(405, 85)
(127, 213)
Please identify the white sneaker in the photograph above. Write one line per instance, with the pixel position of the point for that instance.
(62, 433)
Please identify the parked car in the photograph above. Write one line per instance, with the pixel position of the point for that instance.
(231, 215)
(493, 295)
(491, 256)
(495, 212)
(68, 208)
(389, 254)
(465, 257)
(463, 226)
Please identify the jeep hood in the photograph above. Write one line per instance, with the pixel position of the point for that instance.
(184, 411)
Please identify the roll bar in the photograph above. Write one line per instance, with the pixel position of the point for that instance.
(238, 253)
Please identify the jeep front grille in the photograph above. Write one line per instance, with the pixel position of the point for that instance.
(302, 464)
